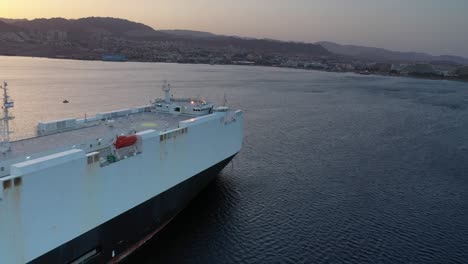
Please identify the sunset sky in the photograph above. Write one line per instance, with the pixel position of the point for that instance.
(437, 27)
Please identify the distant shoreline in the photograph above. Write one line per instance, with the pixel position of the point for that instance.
(246, 65)
(115, 39)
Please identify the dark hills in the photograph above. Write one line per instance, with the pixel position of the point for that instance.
(86, 28)
(11, 20)
(383, 55)
(92, 31)
(189, 33)
(89, 38)
(5, 27)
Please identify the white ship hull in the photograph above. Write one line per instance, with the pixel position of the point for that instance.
(66, 207)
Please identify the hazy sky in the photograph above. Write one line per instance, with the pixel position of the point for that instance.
(434, 26)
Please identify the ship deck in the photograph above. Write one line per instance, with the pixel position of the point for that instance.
(98, 131)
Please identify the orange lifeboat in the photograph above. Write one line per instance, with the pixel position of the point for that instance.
(125, 141)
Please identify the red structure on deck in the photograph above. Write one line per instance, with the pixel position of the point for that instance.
(125, 141)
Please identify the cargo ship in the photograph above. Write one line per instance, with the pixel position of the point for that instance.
(93, 190)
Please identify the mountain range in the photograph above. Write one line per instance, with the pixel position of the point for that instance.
(86, 37)
(90, 32)
(383, 55)
(79, 29)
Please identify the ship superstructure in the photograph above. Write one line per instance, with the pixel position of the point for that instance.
(92, 190)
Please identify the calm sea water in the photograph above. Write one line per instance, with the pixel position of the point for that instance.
(335, 168)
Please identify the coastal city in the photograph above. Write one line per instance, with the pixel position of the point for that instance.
(181, 52)
(122, 40)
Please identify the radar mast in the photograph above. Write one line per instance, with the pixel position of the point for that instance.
(166, 87)
(5, 125)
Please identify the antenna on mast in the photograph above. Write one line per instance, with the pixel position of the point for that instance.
(166, 87)
(5, 125)
(225, 101)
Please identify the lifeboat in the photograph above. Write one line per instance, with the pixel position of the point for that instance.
(125, 141)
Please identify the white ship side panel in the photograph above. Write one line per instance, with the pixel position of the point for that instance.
(61, 196)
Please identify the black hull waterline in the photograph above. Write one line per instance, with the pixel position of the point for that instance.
(121, 235)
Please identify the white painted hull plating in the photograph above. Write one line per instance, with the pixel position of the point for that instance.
(51, 200)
